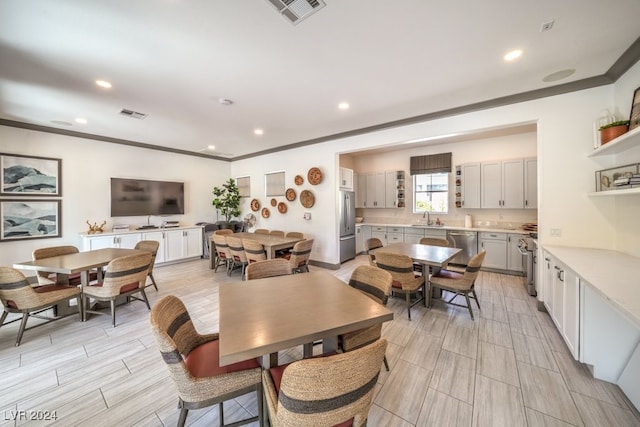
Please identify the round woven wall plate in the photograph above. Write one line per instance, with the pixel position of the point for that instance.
(314, 176)
(307, 199)
(290, 194)
(274, 202)
(255, 205)
(299, 180)
(282, 207)
(265, 213)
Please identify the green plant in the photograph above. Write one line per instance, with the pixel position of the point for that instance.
(227, 199)
(618, 123)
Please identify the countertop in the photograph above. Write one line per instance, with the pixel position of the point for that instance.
(614, 275)
(448, 227)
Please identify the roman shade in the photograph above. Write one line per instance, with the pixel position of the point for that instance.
(434, 163)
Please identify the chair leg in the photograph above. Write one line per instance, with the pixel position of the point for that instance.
(183, 417)
(23, 326)
(466, 296)
(144, 297)
(408, 298)
(4, 316)
(475, 297)
(386, 363)
(221, 406)
(113, 312)
(81, 307)
(153, 281)
(86, 306)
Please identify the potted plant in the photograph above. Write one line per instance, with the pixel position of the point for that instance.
(227, 200)
(613, 130)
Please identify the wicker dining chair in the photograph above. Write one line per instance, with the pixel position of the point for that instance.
(46, 278)
(18, 296)
(238, 256)
(462, 284)
(223, 231)
(327, 391)
(150, 246)
(261, 231)
(405, 281)
(276, 233)
(124, 277)
(295, 235)
(268, 268)
(370, 245)
(222, 252)
(299, 256)
(254, 251)
(375, 283)
(193, 363)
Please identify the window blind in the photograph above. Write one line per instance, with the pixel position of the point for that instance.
(434, 163)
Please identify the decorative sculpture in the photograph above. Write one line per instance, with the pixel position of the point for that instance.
(95, 228)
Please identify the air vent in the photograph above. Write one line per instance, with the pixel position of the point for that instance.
(297, 10)
(133, 114)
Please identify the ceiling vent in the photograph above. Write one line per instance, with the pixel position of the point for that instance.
(297, 10)
(133, 114)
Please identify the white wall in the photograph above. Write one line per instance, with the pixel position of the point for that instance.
(87, 166)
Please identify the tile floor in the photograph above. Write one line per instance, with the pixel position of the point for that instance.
(509, 367)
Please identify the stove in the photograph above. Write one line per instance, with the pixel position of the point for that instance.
(528, 248)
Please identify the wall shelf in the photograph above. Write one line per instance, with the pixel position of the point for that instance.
(623, 192)
(618, 145)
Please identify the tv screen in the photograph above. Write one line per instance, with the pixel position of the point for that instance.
(138, 197)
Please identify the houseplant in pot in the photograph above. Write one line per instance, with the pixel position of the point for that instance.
(227, 201)
(613, 130)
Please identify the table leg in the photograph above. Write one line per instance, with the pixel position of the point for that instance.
(329, 345)
(427, 285)
(269, 360)
(63, 308)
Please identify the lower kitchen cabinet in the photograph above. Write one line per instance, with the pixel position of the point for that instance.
(495, 244)
(379, 233)
(184, 243)
(363, 233)
(102, 241)
(514, 256)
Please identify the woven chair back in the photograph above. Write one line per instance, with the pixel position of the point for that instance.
(473, 268)
(149, 246)
(42, 253)
(268, 268)
(261, 231)
(330, 390)
(237, 249)
(400, 266)
(222, 248)
(277, 233)
(15, 290)
(373, 282)
(295, 235)
(122, 272)
(433, 241)
(370, 244)
(254, 251)
(300, 254)
(223, 231)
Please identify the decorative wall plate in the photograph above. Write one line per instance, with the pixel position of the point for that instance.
(265, 213)
(282, 207)
(314, 176)
(307, 198)
(255, 205)
(290, 194)
(274, 202)
(299, 180)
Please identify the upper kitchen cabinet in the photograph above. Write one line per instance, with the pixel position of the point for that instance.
(380, 189)
(346, 179)
(394, 189)
(376, 190)
(360, 187)
(502, 184)
(468, 185)
(530, 183)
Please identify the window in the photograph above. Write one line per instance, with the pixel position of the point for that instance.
(431, 192)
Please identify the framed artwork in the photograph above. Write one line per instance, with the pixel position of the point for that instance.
(634, 119)
(244, 186)
(274, 184)
(30, 219)
(29, 176)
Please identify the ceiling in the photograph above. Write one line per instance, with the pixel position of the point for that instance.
(393, 62)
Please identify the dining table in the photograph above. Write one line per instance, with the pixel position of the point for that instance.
(271, 243)
(80, 262)
(436, 257)
(259, 318)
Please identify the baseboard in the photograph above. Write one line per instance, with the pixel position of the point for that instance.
(324, 265)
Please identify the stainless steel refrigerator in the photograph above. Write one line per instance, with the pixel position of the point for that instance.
(347, 208)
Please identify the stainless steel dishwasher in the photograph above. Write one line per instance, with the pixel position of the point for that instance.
(465, 240)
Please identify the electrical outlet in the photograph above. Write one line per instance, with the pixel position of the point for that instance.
(307, 216)
(557, 232)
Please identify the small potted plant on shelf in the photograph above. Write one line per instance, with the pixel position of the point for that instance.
(227, 200)
(613, 130)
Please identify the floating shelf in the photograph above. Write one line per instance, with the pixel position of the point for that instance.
(618, 145)
(609, 193)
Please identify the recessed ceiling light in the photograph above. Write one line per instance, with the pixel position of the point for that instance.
(225, 101)
(559, 75)
(81, 120)
(343, 106)
(513, 55)
(104, 84)
(258, 131)
(211, 147)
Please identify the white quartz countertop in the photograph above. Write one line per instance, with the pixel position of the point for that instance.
(447, 227)
(615, 275)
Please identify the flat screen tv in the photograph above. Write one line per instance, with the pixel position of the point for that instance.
(139, 197)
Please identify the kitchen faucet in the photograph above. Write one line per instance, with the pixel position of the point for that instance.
(426, 213)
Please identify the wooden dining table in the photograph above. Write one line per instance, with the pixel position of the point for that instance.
(259, 318)
(81, 262)
(271, 243)
(427, 255)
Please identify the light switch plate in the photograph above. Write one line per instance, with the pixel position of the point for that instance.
(307, 215)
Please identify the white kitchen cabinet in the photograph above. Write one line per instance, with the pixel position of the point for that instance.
(158, 236)
(363, 233)
(514, 256)
(395, 235)
(379, 233)
(547, 281)
(394, 189)
(470, 185)
(346, 179)
(495, 244)
(413, 234)
(183, 243)
(91, 242)
(361, 190)
(531, 183)
(502, 184)
(375, 190)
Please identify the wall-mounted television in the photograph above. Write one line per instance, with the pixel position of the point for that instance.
(139, 197)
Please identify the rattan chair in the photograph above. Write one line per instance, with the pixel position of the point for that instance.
(277, 233)
(261, 231)
(254, 251)
(150, 246)
(46, 278)
(370, 245)
(405, 281)
(223, 231)
(268, 268)
(324, 391)
(18, 296)
(460, 283)
(299, 256)
(239, 258)
(124, 277)
(375, 283)
(193, 363)
(295, 235)
(222, 252)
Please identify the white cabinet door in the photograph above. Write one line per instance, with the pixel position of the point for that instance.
(158, 236)
(370, 200)
(379, 233)
(571, 311)
(379, 190)
(496, 246)
(471, 185)
(514, 257)
(181, 244)
(557, 312)
(346, 179)
(531, 184)
(390, 190)
(363, 234)
(395, 235)
(192, 242)
(491, 179)
(128, 241)
(513, 184)
(173, 240)
(548, 274)
(361, 190)
(99, 242)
